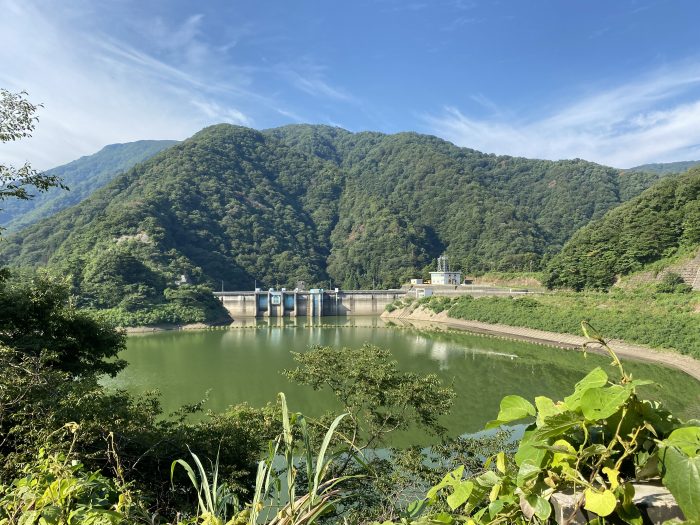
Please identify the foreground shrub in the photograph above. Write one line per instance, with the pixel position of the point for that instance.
(594, 444)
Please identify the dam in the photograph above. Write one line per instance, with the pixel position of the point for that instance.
(318, 302)
(313, 303)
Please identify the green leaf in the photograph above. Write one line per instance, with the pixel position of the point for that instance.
(512, 409)
(593, 450)
(556, 426)
(460, 495)
(501, 462)
(442, 517)
(601, 403)
(628, 511)
(541, 507)
(602, 503)
(595, 379)
(530, 450)
(488, 479)
(564, 453)
(526, 472)
(495, 507)
(545, 408)
(687, 439)
(682, 477)
(451, 479)
(416, 507)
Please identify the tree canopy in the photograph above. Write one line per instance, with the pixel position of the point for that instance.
(656, 224)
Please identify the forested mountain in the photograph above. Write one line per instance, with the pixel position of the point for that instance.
(317, 204)
(82, 177)
(666, 168)
(656, 224)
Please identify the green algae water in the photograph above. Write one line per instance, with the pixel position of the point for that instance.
(244, 364)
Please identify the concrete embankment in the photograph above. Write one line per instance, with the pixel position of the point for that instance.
(567, 341)
(168, 327)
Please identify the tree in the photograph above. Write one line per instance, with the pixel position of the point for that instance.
(17, 121)
(378, 397)
(37, 319)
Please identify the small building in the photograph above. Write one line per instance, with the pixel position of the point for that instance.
(416, 281)
(443, 274)
(419, 293)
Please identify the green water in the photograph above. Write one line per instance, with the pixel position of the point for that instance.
(244, 364)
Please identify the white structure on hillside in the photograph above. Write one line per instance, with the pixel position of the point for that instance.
(443, 274)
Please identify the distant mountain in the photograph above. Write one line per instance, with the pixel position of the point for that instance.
(314, 204)
(82, 176)
(662, 221)
(667, 167)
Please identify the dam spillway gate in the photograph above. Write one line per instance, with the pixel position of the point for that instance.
(312, 303)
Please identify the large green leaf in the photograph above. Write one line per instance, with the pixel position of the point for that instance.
(602, 402)
(602, 503)
(512, 409)
(556, 426)
(450, 479)
(687, 439)
(682, 478)
(536, 505)
(530, 450)
(595, 379)
(460, 494)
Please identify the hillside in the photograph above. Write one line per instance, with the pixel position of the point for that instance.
(82, 177)
(661, 222)
(315, 204)
(666, 168)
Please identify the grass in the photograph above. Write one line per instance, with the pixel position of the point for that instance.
(655, 319)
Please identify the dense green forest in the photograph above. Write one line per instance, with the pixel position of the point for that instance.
(233, 206)
(82, 177)
(662, 221)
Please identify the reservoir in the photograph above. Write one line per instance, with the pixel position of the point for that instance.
(244, 364)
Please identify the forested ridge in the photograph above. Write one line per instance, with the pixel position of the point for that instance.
(315, 204)
(81, 177)
(661, 222)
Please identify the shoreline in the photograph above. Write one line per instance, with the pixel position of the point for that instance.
(670, 358)
(666, 357)
(165, 327)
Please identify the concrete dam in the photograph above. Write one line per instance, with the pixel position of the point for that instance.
(313, 303)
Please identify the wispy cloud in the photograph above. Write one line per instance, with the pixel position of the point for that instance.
(310, 78)
(654, 119)
(153, 78)
(97, 90)
(222, 114)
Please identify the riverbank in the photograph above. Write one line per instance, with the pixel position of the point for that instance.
(669, 358)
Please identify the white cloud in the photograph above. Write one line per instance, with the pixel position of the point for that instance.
(96, 90)
(223, 114)
(656, 119)
(309, 78)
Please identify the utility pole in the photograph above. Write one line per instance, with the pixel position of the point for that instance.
(222, 286)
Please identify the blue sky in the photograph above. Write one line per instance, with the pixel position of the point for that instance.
(616, 82)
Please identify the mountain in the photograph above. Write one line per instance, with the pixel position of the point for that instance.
(661, 222)
(667, 167)
(82, 177)
(314, 204)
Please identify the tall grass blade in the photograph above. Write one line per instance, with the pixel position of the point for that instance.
(321, 462)
(193, 479)
(205, 488)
